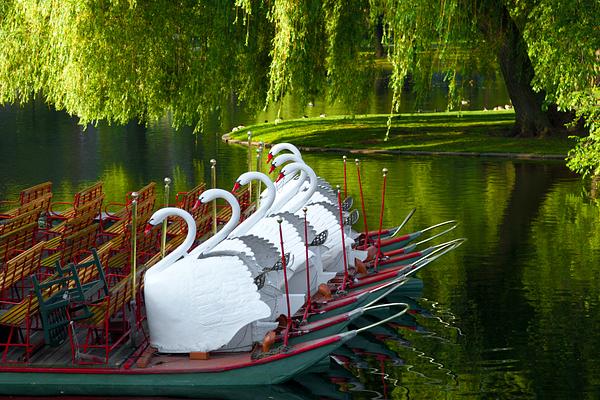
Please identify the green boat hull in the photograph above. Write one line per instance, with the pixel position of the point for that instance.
(146, 383)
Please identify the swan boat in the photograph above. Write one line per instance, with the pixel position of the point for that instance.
(137, 335)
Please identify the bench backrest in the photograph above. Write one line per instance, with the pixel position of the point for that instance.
(22, 266)
(35, 192)
(19, 221)
(17, 240)
(187, 200)
(78, 243)
(87, 194)
(144, 193)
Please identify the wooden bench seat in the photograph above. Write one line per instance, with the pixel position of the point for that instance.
(18, 221)
(41, 192)
(17, 241)
(124, 209)
(81, 217)
(80, 199)
(18, 269)
(145, 209)
(72, 246)
(22, 318)
(108, 325)
(186, 201)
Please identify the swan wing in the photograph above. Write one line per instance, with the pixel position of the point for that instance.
(201, 304)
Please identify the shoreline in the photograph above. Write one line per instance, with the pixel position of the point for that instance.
(518, 156)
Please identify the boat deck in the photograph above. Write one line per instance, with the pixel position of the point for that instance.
(62, 356)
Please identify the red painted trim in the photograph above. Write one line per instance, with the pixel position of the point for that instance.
(323, 323)
(332, 305)
(296, 349)
(401, 258)
(377, 277)
(386, 242)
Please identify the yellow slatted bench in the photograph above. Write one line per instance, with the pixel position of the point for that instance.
(144, 211)
(42, 190)
(186, 201)
(144, 194)
(18, 268)
(81, 216)
(79, 200)
(71, 246)
(17, 240)
(18, 221)
(23, 315)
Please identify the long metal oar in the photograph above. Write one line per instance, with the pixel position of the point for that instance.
(422, 262)
(391, 232)
(383, 321)
(401, 241)
(406, 257)
(411, 247)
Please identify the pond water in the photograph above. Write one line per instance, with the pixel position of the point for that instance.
(513, 313)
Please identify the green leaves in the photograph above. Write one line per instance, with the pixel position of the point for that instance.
(126, 60)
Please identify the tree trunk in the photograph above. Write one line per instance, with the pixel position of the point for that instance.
(379, 50)
(531, 120)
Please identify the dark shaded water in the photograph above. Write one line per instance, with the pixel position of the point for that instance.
(513, 313)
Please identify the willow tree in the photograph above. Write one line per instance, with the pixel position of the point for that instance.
(117, 60)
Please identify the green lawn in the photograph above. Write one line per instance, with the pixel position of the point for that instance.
(470, 131)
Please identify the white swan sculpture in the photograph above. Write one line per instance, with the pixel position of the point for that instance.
(198, 305)
(323, 193)
(322, 217)
(293, 234)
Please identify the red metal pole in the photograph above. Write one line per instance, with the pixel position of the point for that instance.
(287, 291)
(345, 180)
(385, 171)
(308, 300)
(362, 202)
(345, 282)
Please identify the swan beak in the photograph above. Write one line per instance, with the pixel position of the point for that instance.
(236, 186)
(272, 168)
(280, 177)
(148, 229)
(196, 205)
(269, 157)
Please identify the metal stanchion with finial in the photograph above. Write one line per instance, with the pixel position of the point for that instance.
(250, 161)
(163, 238)
(133, 272)
(287, 290)
(362, 202)
(378, 246)
(346, 277)
(307, 309)
(259, 151)
(213, 178)
(345, 180)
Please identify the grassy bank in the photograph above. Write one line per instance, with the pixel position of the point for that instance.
(466, 132)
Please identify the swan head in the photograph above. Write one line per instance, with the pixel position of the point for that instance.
(244, 179)
(282, 146)
(212, 194)
(282, 159)
(159, 216)
(292, 168)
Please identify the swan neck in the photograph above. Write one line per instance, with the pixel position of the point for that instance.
(312, 188)
(229, 226)
(182, 249)
(265, 205)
